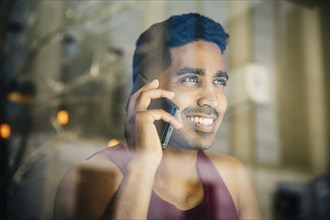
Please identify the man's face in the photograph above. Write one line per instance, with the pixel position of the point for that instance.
(197, 78)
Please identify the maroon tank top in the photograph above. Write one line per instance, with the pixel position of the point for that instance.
(217, 203)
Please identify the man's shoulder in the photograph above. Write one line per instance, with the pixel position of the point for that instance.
(97, 163)
(232, 172)
(96, 170)
(223, 161)
(230, 169)
(86, 184)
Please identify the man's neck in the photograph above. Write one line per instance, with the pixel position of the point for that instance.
(177, 179)
(176, 161)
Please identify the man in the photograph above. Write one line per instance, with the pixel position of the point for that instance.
(182, 58)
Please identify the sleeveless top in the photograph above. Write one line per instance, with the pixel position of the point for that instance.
(217, 203)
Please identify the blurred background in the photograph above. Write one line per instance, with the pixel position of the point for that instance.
(66, 76)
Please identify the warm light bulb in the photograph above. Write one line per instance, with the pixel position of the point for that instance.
(113, 142)
(4, 131)
(62, 117)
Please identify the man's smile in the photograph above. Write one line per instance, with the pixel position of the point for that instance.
(201, 118)
(204, 123)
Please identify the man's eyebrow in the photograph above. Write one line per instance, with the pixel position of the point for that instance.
(186, 70)
(222, 74)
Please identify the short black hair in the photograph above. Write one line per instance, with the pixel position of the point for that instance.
(152, 53)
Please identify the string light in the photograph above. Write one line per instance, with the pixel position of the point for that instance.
(5, 131)
(113, 142)
(62, 117)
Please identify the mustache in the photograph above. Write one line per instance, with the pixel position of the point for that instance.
(203, 110)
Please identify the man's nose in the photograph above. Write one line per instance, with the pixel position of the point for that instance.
(209, 96)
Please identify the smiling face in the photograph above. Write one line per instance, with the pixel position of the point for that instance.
(197, 78)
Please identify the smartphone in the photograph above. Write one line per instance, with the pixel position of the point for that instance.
(164, 129)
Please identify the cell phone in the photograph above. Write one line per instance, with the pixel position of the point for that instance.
(164, 129)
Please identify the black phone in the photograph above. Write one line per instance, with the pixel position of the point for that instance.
(164, 129)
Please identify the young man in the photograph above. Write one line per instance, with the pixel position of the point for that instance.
(182, 58)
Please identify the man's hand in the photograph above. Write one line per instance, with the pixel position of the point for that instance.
(140, 131)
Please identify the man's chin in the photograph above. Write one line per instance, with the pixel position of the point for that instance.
(202, 146)
(191, 143)
(193, 147)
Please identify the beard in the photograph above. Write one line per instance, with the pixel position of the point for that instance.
(198, 140)
(190, 137)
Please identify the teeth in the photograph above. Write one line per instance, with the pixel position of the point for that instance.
(196, 119)
(203, 121)
(207, 121)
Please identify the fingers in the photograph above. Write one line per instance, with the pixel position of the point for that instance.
(145, 97)
(140, 100)
(132, 99)
(160, 114)
(140, 130)
(154, 84)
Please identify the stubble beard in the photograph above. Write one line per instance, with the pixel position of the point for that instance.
(199, 141)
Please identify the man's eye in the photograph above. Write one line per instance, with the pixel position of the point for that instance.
(190, 79)
(221, 82)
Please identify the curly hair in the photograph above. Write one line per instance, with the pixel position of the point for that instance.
(152, 54)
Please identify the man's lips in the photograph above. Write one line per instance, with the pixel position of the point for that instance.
(202, 123)
(201, 118)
